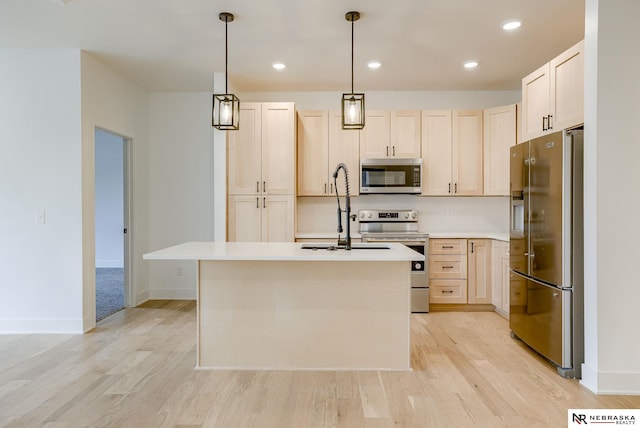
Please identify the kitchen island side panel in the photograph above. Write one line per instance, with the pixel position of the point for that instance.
(304, 315)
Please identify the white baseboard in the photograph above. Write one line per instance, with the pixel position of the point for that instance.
(172, 294)
(610, 383)
(141, 297)
(41, 326)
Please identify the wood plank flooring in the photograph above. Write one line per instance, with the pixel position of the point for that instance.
(136, 369)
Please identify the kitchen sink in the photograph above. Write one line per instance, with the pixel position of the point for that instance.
(333, 247)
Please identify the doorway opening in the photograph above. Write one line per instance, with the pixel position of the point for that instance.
(111, 220)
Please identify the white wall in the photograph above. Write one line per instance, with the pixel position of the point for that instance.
(317, 215)
(392, 100)
(40, 169)
(181, 194)
(109, 200)
(612, 197)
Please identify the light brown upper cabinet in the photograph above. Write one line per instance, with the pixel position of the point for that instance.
(261, 174)
(322, 145)
(499, 134)
(452, 152)
(553, 95)
(390, 134)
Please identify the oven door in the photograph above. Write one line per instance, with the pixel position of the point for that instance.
(419, 272)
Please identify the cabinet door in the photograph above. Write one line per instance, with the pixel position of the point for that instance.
(479, 271)
(344, 147)
(244, 152)
(506, 275)
(467, 152)
(313, 149)
(436, 152)
(374, 137)
(244, 223)
(500, 283)
(499, 134)
(567, 88)
(278, 218)
(405, 133)
(278, 148)
(535, 102)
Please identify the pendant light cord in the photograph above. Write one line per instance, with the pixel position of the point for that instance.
(226, 57)
(352, 56)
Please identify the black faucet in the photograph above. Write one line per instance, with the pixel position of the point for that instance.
(347, 241)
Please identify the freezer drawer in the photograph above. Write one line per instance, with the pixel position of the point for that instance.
(541, 318)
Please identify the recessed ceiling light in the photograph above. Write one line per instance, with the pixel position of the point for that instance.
(374, 65)
(471, 64)
(511, 25)
(279, 66)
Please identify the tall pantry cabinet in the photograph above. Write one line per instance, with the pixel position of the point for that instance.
(261, 174)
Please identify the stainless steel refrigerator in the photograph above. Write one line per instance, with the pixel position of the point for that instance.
(546, 248)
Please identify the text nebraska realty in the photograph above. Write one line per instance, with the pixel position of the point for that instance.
(606, 419)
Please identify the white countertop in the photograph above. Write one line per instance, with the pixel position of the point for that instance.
(283, 251)
(471, 235)
(498, 236)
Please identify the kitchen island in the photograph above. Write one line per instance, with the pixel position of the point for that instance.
(279, 306)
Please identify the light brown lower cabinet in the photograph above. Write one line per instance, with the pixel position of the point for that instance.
(469, 271)
(448, 271)
(479, 279)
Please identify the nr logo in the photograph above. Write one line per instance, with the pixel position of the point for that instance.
(580, 419)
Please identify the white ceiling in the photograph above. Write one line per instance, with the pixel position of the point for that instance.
(176, 45)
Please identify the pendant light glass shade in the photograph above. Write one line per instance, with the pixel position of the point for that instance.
(352, 111)
(226, 112)
(226, 107)
(352, 104)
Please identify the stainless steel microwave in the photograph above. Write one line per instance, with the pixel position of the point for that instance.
(390, 176)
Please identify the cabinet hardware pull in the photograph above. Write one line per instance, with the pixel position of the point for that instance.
(447, 291)
(455, 187)
(257, 202)
(544, 126)
(264, 186)
(549, 125)
(264, 202)
(394, 150)
(387, 150)
(257, 187)
(449, 187)
(472, 247)
(447, 267)
(325, 187)
(450, 247)
(331, 188)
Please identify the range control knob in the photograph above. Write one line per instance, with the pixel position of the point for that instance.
(362, 214)
(417, 265)
(413, 215)
(368, 214)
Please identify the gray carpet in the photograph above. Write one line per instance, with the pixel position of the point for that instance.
(109, 291)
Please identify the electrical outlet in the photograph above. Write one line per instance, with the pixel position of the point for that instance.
(449, 215)
(178, 271)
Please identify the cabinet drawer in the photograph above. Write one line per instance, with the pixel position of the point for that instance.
(447, 266)
(447, 246)
(448, 291)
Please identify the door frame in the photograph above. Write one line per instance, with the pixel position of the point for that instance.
(127, 195)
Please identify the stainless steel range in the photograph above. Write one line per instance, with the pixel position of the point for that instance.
(401, 226)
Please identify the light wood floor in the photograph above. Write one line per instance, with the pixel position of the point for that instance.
(136, 370)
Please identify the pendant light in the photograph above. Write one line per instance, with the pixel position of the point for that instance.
(352, 104)
(226, 107)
